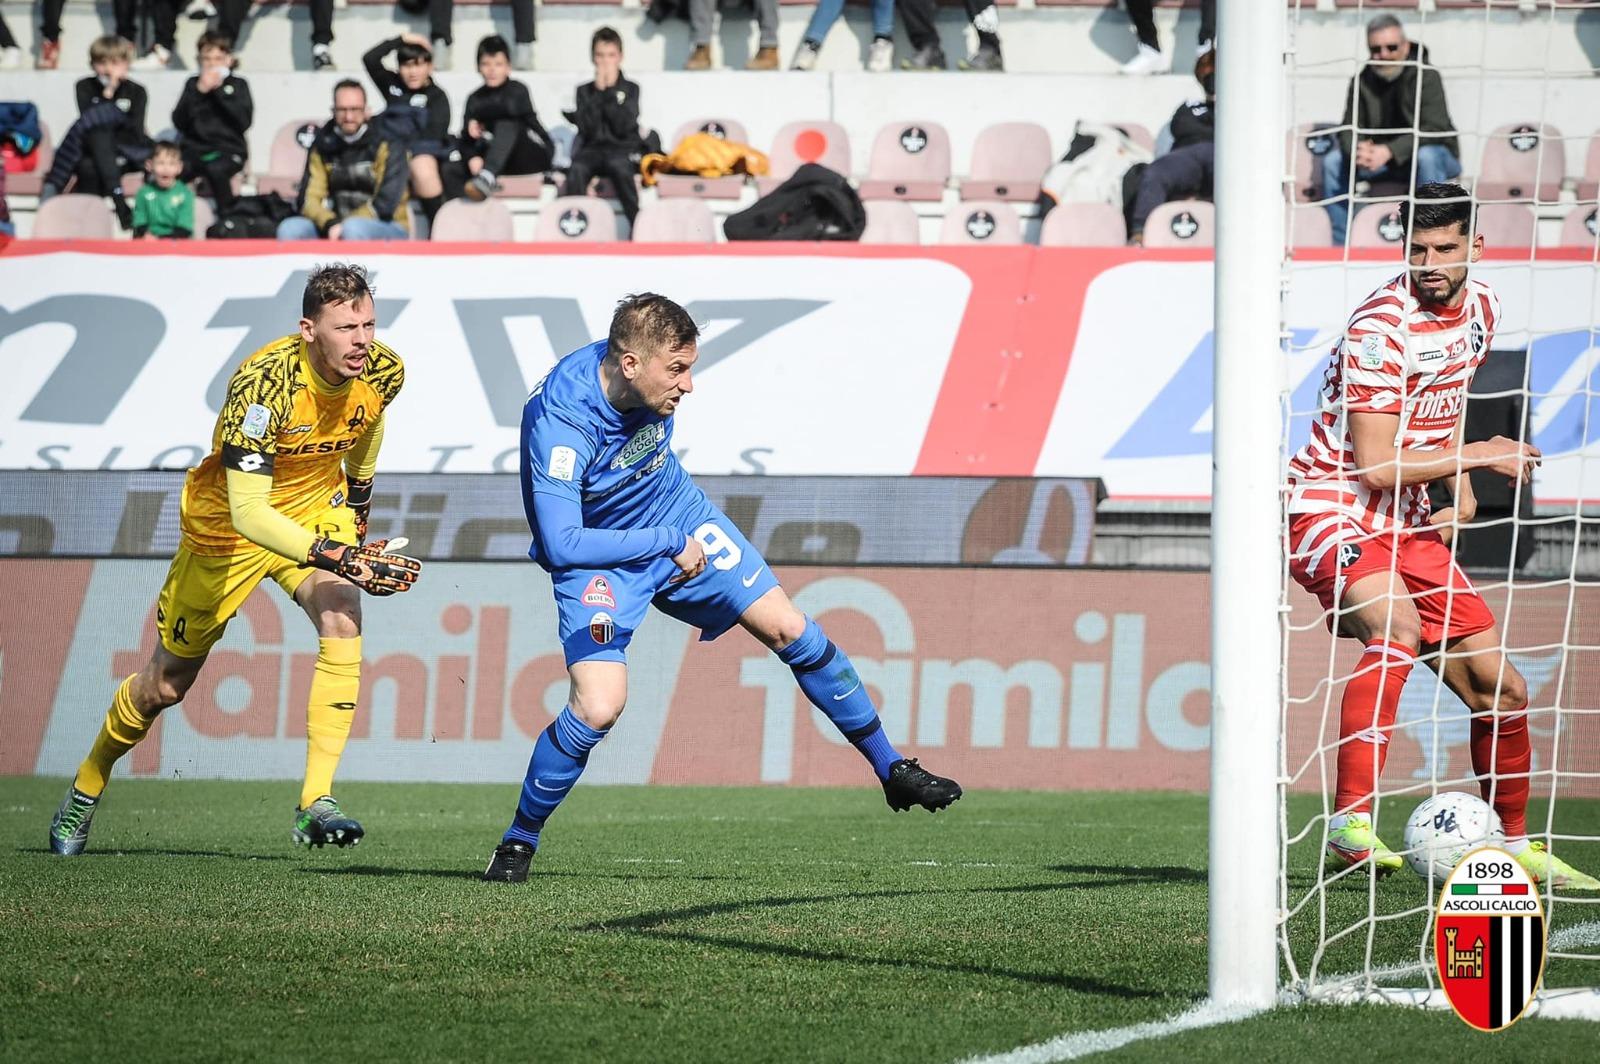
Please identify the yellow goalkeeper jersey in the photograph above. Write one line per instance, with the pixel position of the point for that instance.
(281, 419)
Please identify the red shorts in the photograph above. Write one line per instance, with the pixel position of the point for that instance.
(1327, 554)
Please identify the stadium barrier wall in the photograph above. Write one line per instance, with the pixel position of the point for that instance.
(818, 359)
(1045, 678)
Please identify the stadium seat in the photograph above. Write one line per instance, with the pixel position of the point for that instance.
(675, 221)
(910, 161)
(205, 216)
(519, 186)
(1307, 144)
(1181, 224)
(981, 222)
(1137, 133)
(1008, 161)
(1309, 226)
(569, 219)
(1084, 225)
(729, 187)
(824, 143)
(461, 219)
(891, 222)
(1522, 161)
(1581, 227)
(286, 161)
(1589, 183)
(1507, 226)
(71, 216)
(1377, 225)
(27, 184)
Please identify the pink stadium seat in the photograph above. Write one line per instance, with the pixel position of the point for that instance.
(519, 186)
(1507, 226)
(1307, 144)
(824, 143)
(576, 218)
(1138, 134)
(488, 222)
(1309, 227)
(1377, 225)
(910, 161)
(981, 222)
(1084, 225)
(1181, 224)
(729, 187)
(74, 217)
(286, 161)
(1589, 183)
(27, 184)
(1581, 227)
(1521, 161)
(675, 221)
(891, 222)
(1008, 160)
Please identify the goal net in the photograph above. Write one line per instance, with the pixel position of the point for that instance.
(1519, 88)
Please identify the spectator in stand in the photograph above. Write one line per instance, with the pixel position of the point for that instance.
(230, 23)
(880, 57)
(416, 112)
(441, 13)
(919, 15)
(607, 117)
(163, 208)
(1390, 99)
(124, 14)
(1187, 168)
(108, 139)
(1150, 59)
(10, 54)
(702, 20)
(501, 132)
(355, 185)
(163, 16)
(213, 115)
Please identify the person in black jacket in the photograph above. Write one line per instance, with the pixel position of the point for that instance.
(1186, 170)
(213, 115)
(355, 184)
(501, 133)
(607, 117)
(416, 112)
(108, 139)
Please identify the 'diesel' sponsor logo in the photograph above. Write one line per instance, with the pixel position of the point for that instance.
(1489, 938)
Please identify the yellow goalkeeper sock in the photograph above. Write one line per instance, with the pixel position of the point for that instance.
(123, 728)
(335, 684)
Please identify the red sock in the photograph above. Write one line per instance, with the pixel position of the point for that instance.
(1502, 765)
(1366, 718)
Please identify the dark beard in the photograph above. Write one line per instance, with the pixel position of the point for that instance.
(1443, 301)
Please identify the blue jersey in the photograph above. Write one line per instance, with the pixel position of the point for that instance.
(600, 487)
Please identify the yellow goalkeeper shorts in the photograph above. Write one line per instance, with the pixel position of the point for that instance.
(203, 592)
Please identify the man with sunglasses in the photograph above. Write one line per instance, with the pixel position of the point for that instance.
(1402, 137)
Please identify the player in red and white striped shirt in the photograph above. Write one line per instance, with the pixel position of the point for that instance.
(1363, 540)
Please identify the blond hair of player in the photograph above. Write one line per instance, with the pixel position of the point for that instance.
(283, 495)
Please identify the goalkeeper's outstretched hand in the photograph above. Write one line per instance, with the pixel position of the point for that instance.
(375, 568)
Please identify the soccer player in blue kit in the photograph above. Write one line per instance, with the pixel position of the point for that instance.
(619, 525)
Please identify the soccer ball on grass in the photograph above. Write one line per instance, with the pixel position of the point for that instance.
(1446, 828)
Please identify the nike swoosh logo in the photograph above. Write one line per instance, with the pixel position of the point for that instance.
(847, 694)
(750, 580)
(539, 786)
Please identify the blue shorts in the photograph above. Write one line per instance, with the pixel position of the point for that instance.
(601, 608)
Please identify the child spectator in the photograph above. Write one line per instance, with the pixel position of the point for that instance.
(607, 117)
(163, 208)
(125, 19)
(108, 139)
(501, 133)
(416, 112)
(213, 115)
(881, 56)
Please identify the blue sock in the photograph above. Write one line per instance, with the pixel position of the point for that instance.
(829, 680)
(557, 762)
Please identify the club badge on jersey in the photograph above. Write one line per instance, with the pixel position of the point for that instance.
(1489, 939)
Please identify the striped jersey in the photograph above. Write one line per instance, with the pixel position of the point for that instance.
(1397, 356)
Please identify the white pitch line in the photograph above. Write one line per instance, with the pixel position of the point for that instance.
(1088, 1043)
(1576, 936)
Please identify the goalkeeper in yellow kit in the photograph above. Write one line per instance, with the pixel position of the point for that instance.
(283, 494)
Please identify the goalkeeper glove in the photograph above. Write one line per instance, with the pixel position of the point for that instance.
(359, 499)
(372, 567)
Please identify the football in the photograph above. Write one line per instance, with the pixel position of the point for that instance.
(1444, 829)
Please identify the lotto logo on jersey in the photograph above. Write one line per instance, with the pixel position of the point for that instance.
(598, 593)
(1489, 939)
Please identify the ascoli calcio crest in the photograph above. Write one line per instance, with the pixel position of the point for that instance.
(1489, 939)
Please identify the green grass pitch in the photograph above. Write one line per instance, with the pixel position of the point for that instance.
(661, 925)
